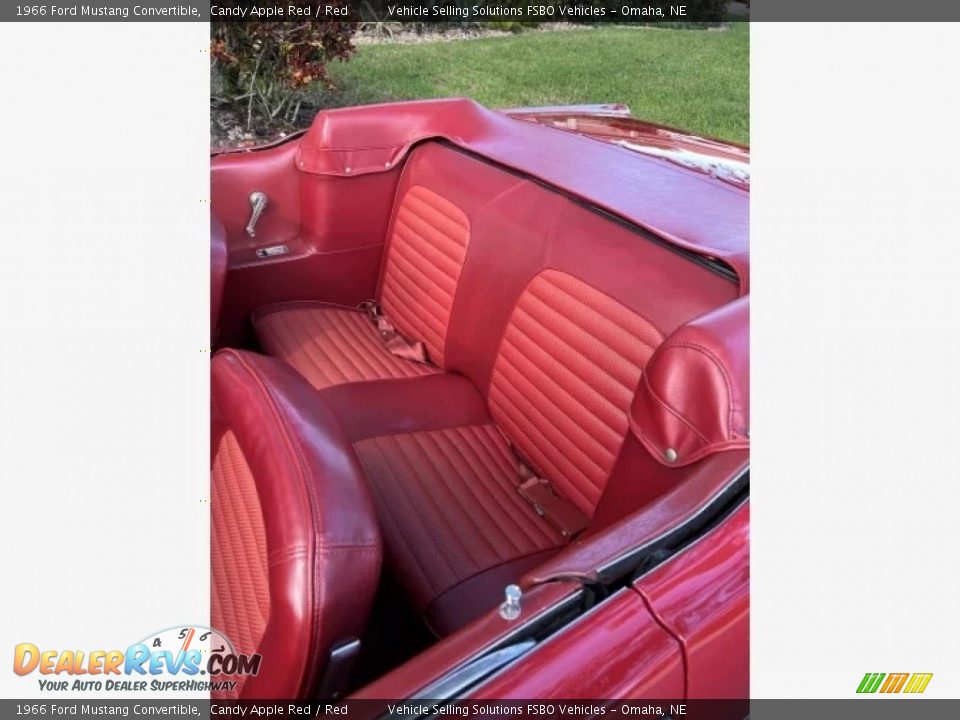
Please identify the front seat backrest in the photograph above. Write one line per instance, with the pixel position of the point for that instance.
(295, 546)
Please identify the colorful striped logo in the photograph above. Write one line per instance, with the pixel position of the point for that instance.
(913, 683)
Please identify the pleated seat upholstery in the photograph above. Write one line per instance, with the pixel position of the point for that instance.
(539, 317)
(455, 526)
(329, 345)
(568, 367)
(448, 506)
(425, 252)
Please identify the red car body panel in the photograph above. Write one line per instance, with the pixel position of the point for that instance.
(702, 597)
(613, 123)
(681, 631)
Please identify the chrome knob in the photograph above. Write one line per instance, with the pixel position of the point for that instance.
(258, 203)
(510, 609)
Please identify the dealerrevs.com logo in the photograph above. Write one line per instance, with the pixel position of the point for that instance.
(892, 683)
(180, 659)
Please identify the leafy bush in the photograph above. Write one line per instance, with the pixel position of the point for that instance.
(264, 66)
(707, 13)
(382, 29)
(511, 26)
(712, 11)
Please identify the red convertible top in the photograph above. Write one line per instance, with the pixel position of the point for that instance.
(686, 208)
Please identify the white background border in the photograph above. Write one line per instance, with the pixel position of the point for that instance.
(104, 285)
(856, 283)
(855, 240)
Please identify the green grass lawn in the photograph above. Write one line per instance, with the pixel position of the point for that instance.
(693, 79)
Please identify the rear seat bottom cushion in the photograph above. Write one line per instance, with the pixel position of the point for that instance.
(455, 529)
(330, 345)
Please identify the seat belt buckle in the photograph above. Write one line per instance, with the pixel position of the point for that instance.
(371, 308)
(532, 490)
(393, 340)
(563, 515)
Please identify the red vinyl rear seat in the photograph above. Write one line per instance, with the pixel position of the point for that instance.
(428, 242)
(539, 316)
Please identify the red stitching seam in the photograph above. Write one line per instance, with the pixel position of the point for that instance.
(670, 409)
(720, 366)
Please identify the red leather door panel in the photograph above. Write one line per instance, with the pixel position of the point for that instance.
(333, 229)
(234, 176)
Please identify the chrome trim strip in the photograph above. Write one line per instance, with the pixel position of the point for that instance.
(693, 544)
(346, 650)
(474, 671)
(711, 503)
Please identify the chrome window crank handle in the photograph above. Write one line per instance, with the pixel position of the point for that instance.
(258, 203)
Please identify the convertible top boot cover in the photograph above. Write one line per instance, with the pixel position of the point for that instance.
(296, 549)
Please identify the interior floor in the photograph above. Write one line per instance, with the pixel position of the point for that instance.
(395, 633)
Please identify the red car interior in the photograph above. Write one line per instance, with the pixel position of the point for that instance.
(218, 271)
(296, 548)
(577, 320)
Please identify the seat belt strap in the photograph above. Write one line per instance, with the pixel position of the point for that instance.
(395, 343)
(562, 514)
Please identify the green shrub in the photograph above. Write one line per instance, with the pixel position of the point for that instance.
(262, 67)
(511, 26)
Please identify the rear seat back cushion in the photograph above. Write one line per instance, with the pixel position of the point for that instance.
(578, 340)
(530, 228)
(422, 270)
(511, 240)
(439, 198)
(568, 367)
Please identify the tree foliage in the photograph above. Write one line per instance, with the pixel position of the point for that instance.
(264, 66)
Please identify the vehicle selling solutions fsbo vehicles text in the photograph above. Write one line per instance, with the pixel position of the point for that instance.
(465, 12)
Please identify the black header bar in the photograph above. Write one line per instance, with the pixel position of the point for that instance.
(850, 709)
(466, 11)
(421, 11)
